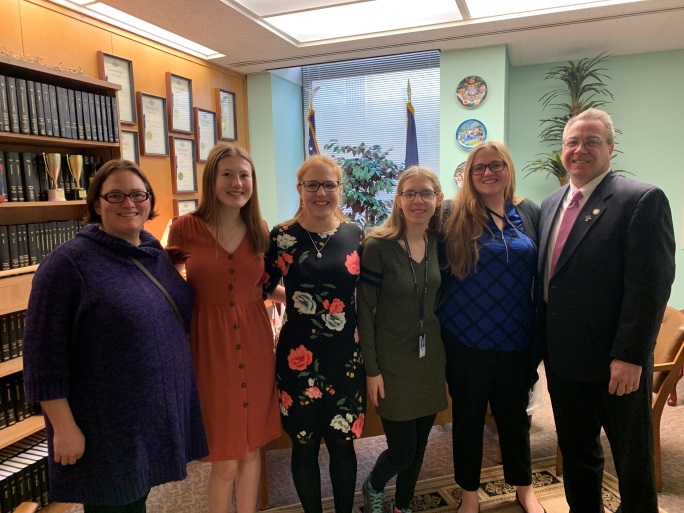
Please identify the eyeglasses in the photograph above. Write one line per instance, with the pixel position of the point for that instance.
(120, 197)
(590, 144)
(426, 195)
(313, 185)
(496, 167)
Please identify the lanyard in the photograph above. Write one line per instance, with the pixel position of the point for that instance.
(421, 301)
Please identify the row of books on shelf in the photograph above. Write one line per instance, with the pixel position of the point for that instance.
(23, 176)
(13, 405)
(24, 473)
(34, 108)
(12, 335)
(22, 245)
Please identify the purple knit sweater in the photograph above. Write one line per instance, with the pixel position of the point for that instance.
(102, 335)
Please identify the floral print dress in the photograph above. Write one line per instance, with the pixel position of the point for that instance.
(319, 370)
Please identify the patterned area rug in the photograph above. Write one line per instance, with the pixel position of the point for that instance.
(441, 494)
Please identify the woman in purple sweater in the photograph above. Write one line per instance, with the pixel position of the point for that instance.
(108, 356)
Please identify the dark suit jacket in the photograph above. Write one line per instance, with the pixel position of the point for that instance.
(612, 281)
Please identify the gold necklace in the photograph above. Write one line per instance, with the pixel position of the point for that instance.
(318, 250)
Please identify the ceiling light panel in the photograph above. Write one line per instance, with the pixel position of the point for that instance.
(345, 21)
(277, 7)
(487, 8)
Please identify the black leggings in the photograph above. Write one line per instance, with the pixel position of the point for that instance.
(406, 443)
(306, 473)
(138, 506)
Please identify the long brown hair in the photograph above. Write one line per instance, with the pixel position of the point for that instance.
(468, 216)
(209, 211)
(310, 162)
(395, 226)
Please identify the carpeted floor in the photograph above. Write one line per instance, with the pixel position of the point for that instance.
(441, 494)
(189, 496)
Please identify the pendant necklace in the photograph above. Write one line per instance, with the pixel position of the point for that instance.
(318, 250)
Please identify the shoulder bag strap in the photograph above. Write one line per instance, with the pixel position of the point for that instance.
(161, 287)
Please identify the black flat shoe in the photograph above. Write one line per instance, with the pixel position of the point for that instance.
(517, 499)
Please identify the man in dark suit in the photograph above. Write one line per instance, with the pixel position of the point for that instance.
(607, 262)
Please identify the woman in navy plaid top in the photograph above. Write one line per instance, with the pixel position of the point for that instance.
(487, 317)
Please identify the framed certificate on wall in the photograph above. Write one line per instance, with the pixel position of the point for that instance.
(182, 207)
(179, 96)
(227, 126)
(153, 132)
(205, 121)
(119, 71)
(129, 146)
(183, 166)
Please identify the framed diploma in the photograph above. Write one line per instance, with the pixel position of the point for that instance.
(179, 96)
(205, 121)
(153, 132)
(227, 127)
(183, 164)
(182, 207)
(129, 146)
(119, 71)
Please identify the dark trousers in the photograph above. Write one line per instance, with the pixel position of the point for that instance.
(138, 506)
(406, 443)
(501, 379)
(580, 410)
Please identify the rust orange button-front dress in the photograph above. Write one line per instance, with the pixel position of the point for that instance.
(232, 341)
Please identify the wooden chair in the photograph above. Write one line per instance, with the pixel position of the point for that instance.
(668, 359)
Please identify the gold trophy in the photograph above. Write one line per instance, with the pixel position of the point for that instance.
(75, 163)
(53, 165)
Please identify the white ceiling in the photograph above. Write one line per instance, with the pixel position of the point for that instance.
(249, 46)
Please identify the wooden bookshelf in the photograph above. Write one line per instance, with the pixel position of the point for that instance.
(21, 430)
(15, 290)
(11, 366)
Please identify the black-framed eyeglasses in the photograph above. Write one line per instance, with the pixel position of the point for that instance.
(426, 195)
(496, 167)
(313, 185)
(120, 197)
(590, 144)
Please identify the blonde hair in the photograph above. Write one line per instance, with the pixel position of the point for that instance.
(209, 210)
(468, 217)
(395, 226)
(309, 163)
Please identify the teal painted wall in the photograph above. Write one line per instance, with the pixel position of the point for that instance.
(490, 63)
(276, 142)
(648, 109)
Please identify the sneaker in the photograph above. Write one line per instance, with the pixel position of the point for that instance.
(394, 509)
(373, 501)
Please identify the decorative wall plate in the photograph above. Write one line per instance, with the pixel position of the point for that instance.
(470, 133)
(471, 91)
(459, 174)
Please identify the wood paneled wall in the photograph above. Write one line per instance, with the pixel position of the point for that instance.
(58, 36)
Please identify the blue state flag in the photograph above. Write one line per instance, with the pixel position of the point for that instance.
(411, 139)
(313, 143)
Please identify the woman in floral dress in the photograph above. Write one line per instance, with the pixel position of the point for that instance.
(319, 370)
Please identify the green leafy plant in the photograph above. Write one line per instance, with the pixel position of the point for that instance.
(367, 170)
(584, 88)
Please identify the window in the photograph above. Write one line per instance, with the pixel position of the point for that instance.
(365, 101)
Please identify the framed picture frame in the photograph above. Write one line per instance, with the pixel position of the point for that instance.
(184, 206)
(119, 71)
(179, 96)
(205, 121)
(183, 164)
(129, 146)
(227, 125)
(153, 131)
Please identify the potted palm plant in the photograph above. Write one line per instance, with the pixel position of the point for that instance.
(367, 170)
(584, 87)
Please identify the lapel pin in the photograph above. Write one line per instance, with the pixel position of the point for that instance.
(596, 211)
(587, 219)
